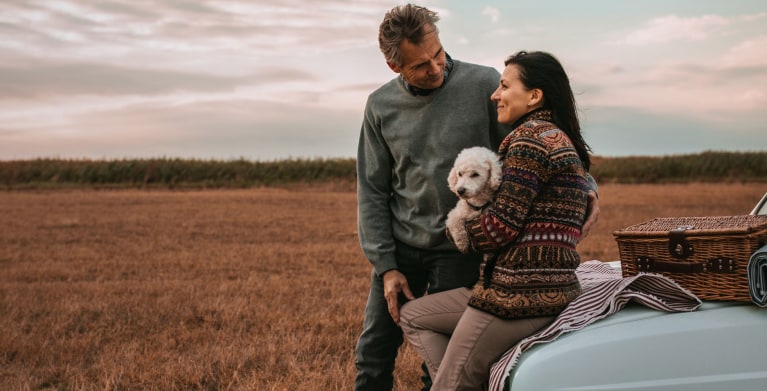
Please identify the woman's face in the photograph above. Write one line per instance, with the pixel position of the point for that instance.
(512, 99)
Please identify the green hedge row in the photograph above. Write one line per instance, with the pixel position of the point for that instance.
(171, 173)
(703, 167)
(191, 173)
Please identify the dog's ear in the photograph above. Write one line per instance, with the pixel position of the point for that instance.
(452, 178)
(496, 171)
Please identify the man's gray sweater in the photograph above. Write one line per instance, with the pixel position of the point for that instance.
(406, 149)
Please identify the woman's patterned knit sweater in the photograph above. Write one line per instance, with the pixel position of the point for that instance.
(532, 227)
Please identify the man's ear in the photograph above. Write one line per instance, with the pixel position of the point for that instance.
(393, 67)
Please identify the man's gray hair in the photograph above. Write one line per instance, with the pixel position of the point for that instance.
(403, 22)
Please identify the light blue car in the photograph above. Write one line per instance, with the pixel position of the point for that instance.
(722, 346)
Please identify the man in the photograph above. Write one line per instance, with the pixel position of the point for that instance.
(413, 128)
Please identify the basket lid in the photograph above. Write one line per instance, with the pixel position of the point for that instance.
(711, 225)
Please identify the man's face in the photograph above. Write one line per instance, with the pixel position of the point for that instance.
(423, 65)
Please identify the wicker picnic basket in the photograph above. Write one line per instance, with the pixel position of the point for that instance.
(707, 255)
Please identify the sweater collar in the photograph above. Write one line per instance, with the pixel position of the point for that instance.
(537, 114)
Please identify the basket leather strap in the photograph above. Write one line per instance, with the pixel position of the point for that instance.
(714, 265)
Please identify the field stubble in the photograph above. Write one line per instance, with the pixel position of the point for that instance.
(259, 289)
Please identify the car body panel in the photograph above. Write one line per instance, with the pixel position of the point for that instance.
(761, 206)
(720, 346)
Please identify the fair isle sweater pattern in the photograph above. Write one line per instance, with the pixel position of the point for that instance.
(533, 225)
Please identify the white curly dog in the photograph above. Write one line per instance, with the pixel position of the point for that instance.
(474, 178)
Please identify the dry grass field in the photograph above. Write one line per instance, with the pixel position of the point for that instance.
(258, 289)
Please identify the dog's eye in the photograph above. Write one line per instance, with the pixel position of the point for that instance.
(474, 174)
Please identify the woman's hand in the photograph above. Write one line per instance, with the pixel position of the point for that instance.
(592, 214)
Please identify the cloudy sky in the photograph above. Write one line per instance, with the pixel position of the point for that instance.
(269, 80)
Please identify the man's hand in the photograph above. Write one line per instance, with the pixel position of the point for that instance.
(395, 282)
(592, 214)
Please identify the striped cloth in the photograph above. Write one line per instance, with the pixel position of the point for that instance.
(605, 292)
(757, 277)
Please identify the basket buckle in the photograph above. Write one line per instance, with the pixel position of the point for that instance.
(678, 246)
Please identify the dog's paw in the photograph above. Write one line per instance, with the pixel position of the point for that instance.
(460, 240)
(455, 228)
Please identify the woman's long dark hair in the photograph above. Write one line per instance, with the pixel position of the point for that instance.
(543, 71)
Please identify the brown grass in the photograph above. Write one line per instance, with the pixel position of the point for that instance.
(221, 290)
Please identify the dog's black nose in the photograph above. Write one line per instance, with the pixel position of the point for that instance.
(461, 191)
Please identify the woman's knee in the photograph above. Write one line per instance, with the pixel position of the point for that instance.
(438, 312)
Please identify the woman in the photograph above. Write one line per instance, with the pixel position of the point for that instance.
(528, 233)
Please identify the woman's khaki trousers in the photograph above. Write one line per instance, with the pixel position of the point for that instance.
(458, 343)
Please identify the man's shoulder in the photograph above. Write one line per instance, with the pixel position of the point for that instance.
(467, 73)
(476, 68)
(473, 81)
(390, 87)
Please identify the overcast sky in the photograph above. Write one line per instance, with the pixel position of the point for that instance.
(268, 80)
